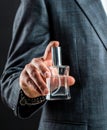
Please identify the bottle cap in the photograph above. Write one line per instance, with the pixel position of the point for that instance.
(56, 56)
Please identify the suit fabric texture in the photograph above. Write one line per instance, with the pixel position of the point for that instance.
(81, 28)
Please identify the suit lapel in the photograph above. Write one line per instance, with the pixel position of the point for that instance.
(95, 13)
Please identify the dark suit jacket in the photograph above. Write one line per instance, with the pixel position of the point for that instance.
(81, 28)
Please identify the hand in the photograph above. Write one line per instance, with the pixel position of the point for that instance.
(32, 79)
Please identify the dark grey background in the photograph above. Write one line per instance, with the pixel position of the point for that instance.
(8, 121)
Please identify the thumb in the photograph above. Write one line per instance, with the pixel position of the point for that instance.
(69, 80)
(60, 81)
(47, 54)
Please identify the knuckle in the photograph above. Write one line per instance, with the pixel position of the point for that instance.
(28, 81)
(35, 60)
(33, 73)
(22, 79)
(23, 84)
(31, 70)
(27, 66)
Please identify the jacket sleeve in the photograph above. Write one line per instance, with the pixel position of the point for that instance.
(29, 40)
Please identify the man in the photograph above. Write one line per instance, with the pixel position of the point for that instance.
(81, 28)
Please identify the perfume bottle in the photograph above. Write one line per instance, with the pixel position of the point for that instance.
(57, 82)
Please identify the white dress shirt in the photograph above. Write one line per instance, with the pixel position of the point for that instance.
(104, 3)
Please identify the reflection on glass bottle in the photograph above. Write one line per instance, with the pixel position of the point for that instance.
(57, 82)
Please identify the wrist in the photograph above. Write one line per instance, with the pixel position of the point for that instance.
(24, 100)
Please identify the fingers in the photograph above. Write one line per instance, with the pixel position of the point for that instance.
(41, 66)
(36, 77)
(28, 86)
(33, 78)
(47, 54)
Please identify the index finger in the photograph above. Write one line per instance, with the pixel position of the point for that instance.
(47, 54)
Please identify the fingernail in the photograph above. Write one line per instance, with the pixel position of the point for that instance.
(46, 91)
